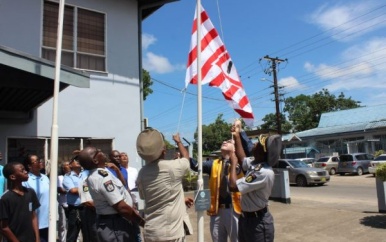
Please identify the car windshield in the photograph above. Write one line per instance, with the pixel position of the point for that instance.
(323, 159)
(297, 163)
(345, 158)
(382, 157)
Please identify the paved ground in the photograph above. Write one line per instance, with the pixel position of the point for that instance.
(305, 220)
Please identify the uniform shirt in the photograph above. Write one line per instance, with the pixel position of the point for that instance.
(62, 200)
(72, 180)
(41, 186)
(106, 190)
(255, 186)
(84, 193)
(2, 180)
(160, 185)
(132, 175)
(123, 171)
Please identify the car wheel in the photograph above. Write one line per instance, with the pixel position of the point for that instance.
(360, 171)
(301, 181)
(332, 171)
(341, 173)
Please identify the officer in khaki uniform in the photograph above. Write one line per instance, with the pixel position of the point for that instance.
(255, 222)
(112, 201)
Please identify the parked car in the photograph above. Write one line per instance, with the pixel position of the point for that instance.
(301, 174)
(373, 164)
(329, 163)
(308, 161)
(357, 163)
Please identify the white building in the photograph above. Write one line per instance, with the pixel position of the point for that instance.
(102, 44)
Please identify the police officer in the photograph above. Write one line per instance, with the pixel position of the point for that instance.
(113, 203)
(256, 222)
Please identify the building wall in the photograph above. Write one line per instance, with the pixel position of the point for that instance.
(110, 108)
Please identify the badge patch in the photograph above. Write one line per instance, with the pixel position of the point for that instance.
(250, 178)
(103, 173)
(109, 186)
(85, 188)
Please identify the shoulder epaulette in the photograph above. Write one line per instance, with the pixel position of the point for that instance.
(103, 173)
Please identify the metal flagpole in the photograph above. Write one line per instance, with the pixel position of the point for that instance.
(54, 129)
(200, 214)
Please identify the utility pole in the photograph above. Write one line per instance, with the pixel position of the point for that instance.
(274, 62)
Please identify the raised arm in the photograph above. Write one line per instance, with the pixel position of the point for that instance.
(184, 152)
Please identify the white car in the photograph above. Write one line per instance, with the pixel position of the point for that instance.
(375, 162)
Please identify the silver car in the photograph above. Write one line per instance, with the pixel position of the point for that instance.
(329, 163)
(301, 174)
(373, 164)
(356, 163)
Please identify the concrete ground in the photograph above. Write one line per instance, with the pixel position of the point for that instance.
(302, 220)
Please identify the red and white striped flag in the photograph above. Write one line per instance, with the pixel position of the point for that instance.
(217, 67)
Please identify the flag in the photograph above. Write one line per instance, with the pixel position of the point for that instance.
(217, 68)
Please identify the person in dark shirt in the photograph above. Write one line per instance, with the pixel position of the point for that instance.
(18, 217)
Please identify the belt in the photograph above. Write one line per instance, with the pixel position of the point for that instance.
(75, 207)
(109, 216)
(226, 205)
(256, 214)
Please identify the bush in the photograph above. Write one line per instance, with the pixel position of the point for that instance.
(378, 153)
(189, 181)
(381, 171)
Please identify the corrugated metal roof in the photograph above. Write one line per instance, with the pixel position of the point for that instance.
(350, 120)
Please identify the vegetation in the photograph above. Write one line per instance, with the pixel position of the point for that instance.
(270, 122)
(305, 111)
(378, 153)
(147, 82)
(380, 171)
(213, 135)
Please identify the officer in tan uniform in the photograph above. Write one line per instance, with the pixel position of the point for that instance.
(112, 201)
(255, 222)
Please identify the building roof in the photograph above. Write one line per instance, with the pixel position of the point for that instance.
(148, 7)
(28, 81)
(347, 121)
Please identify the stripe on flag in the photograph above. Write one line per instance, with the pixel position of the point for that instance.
(217, 68)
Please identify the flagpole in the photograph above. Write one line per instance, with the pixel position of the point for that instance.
(54, 129)
(200, 214)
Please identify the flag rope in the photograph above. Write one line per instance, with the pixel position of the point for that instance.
(182, 107)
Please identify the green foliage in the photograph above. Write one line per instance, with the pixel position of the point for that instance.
(147, 82)
(305, 111)
(169, 145)
(213, 135)
(270, 123)
(378, 153)
(189, 180)
(380, 171)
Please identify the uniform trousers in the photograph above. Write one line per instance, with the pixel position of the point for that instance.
(259, 228)
(75, 223)
(114, 228)
(62, 223)
(224, 224)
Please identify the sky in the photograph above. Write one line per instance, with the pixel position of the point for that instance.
(331, 44)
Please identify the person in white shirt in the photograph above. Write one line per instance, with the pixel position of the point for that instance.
(132, 173)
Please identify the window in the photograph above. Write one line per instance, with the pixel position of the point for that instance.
(83, 37)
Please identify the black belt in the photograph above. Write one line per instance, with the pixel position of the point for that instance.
(75, 207)
(256, 214)
(226, 205)
(109, 216)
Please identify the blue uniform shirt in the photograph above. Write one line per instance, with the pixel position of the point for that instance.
(41, 185)
(123, 171)
(72, 180)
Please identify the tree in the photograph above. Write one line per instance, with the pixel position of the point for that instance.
(270, 123)
(147, 82)
(213, 135)
(304, 111)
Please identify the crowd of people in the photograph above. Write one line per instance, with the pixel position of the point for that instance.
(96, 200)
